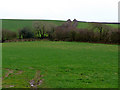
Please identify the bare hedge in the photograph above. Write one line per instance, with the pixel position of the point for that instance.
(8, 35)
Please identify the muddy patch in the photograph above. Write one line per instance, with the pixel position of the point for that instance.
(19, 72)
(9, 86)
(31, 68)
(36, 81)
(8, 73)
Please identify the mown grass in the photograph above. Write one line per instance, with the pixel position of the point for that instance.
(15, 25)
(62, 64)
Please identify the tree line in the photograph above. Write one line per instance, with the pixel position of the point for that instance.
(68, 31)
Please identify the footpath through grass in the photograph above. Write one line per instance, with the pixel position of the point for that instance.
(60, 64)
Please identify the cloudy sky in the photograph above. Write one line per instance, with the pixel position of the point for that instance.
(82, 10)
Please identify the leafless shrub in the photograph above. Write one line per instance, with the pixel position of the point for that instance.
(8, 35)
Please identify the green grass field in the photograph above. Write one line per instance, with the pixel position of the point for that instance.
(15, 25)
(60, 64)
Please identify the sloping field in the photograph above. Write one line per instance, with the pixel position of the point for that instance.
(15, 25)
(59, 64)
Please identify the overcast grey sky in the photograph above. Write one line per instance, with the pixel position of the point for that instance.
(82, 10)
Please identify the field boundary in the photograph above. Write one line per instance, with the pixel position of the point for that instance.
(32, 39)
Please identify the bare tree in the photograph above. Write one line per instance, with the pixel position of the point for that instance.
(42, 27)
(102, 29)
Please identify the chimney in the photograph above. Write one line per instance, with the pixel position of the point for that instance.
(74, 20)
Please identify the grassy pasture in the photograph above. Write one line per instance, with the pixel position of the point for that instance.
(62, 64)
(15, 25)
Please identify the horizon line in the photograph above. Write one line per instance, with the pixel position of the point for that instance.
(104, 22)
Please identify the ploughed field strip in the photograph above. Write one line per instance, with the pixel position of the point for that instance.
(49, 64)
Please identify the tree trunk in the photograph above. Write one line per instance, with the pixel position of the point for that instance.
(100, 33)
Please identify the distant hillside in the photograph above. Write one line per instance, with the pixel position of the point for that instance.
(16, 24)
